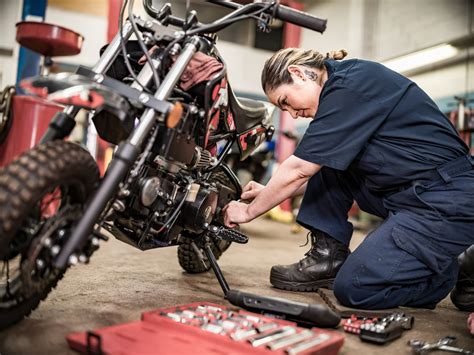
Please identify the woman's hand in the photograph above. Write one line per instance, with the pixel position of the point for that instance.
(235, 213)
(251, 190)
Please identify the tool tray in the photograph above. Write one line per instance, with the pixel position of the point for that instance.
(205, 328)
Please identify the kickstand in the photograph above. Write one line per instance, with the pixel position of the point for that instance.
(215, 267)
(314, 315)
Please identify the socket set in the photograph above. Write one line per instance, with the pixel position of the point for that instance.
(379, 330)
(207, 328)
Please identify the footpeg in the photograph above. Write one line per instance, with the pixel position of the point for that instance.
(228, 234)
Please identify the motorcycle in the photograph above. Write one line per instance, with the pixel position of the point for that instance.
(165, 186)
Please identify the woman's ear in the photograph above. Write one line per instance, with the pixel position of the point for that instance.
(297, 71)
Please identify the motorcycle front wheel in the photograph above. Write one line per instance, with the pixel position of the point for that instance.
(42, 194)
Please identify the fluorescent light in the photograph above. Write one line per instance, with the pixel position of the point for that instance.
(421, 58)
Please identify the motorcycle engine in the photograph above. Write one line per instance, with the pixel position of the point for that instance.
(163, 200)
(199, 208)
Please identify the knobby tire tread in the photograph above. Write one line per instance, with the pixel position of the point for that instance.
(23, 183)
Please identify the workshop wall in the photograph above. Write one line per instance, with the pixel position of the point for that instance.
(92, 27)
(448, 81)
(10, 11)
(383, 29)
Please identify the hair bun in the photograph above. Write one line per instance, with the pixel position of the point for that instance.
(337, 55)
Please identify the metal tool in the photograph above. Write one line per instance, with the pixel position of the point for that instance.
(320, 338)
(243, 333)
(271, 336)
(290, 340)
(266, 327)
(444, 344)
(213, 328)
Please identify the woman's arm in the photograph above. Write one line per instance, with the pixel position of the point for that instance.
(301, 190)
(291, 176)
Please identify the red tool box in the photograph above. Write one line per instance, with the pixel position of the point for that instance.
(206, 328)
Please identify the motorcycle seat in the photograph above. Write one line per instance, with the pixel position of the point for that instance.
(247, 113)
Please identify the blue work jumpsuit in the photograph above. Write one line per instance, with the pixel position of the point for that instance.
(382, 142)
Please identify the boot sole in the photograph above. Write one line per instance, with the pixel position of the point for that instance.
(465, 306)
(302, 286)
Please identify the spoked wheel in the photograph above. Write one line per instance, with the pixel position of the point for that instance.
(191, 254)
(42, 195)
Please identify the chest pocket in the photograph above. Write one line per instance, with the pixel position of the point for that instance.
(371, 159)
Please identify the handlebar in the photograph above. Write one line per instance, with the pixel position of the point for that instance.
(300, 18)
(281, 12)
(286, 14)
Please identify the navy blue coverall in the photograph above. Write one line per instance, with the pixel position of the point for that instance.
(382, 142)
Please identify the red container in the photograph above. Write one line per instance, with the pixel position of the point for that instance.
(158, 334)
(48, 39)
(31, 117)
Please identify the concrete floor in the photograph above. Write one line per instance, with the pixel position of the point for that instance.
(121, 282)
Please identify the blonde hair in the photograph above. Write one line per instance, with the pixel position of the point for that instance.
(275, 71)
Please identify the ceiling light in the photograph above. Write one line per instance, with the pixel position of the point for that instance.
(421, 58)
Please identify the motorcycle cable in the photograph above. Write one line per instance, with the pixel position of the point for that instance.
(166, 54)
(204, 28)
(215, 27)
(170, 221)
(142, 44)
(124, 50)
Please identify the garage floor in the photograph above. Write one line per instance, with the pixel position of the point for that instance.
(121, 282)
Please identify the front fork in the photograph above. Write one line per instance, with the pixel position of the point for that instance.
(123, 160)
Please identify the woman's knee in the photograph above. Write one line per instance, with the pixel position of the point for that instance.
(344, 289)
(344, 286)
(353, 296)
(350, 293)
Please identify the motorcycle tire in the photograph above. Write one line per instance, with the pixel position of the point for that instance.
(191, 262)
(187, 257)
(42, 194)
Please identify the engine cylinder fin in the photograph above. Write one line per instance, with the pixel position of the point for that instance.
(202, 158)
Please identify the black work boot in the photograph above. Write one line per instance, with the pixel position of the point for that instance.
(317, 269)
(463, 293)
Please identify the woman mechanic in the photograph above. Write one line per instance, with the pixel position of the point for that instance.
(378, 139)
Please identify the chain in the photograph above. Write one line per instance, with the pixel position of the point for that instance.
(347, 314)
(329, 303)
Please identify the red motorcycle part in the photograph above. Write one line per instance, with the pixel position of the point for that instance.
(47, 39)
(30, 120)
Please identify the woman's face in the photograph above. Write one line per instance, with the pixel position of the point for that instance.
(300, 98)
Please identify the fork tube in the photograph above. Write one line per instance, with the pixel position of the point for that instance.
(146, 75)
(124, 158)
(148, 118)
(63, 122)
(113, 49)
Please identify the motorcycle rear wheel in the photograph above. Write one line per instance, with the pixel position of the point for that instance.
(188, 258)
(42, 194)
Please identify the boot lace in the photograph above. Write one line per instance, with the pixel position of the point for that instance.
(307, 240)
(311, 253)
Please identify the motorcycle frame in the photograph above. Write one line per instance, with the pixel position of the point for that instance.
(127, 151)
